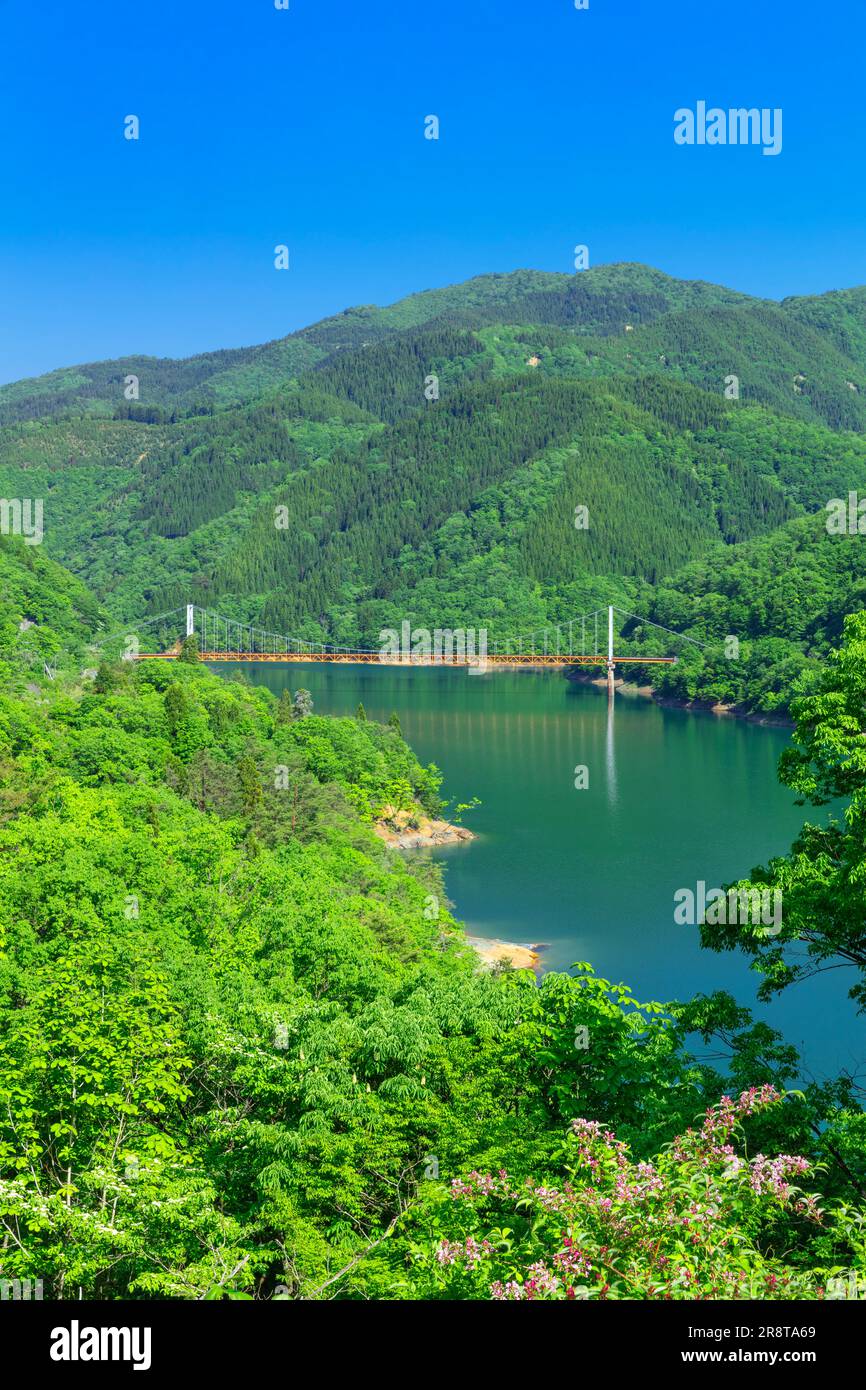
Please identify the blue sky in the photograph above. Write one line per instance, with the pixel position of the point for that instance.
(306, 127)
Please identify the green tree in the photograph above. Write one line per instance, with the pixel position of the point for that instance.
(176, 709)
(251, 785)
(820, 882)
(285, 708)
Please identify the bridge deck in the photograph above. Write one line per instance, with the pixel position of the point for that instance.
(446, 659)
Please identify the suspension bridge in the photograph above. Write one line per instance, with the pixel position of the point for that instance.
(591, 639)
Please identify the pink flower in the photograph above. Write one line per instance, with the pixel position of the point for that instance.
(757, 1099)
(572, 1260)
(541, 1278)
(447, 1251)
(475, 1252)
(769, 1174)
(508, 1292)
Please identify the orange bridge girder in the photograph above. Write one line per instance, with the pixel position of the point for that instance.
(452, 659)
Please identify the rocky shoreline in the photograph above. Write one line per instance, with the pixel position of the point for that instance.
(423, 834)
(648, 692)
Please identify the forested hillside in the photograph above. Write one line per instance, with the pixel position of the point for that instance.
(429, 457)
(46, 612)
(303, 1086)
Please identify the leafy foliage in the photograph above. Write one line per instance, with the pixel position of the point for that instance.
(234, 1039)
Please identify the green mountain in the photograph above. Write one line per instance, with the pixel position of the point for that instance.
(600, 300)
(428, 458)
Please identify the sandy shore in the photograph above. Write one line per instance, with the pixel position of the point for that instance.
(498, 952)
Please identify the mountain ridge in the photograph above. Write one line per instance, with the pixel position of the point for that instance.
(231, 375)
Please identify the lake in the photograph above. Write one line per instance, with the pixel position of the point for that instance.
(673, 797)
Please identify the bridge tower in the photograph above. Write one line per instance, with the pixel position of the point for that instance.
(610, 660)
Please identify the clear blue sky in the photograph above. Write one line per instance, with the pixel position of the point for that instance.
(305, 126)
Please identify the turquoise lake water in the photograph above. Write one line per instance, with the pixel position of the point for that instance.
(673, 797)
